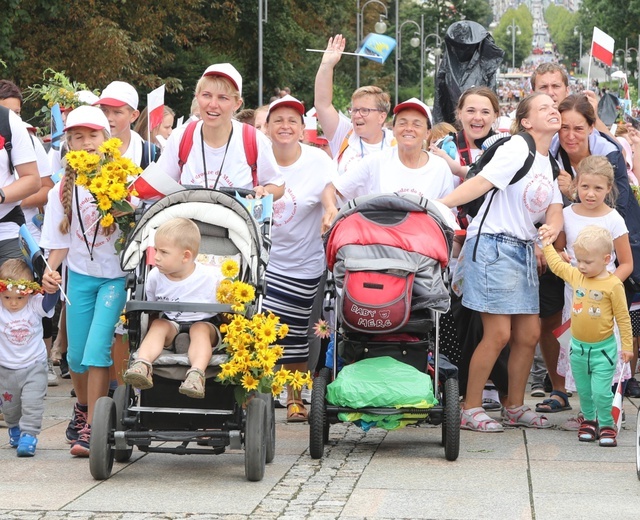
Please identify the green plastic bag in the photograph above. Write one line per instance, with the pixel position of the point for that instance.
(381, 382)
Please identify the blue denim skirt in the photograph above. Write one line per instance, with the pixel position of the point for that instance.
(503, 279)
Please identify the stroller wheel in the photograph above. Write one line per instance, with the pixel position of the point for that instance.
(271, 426)
(638, 446)
(451, 423)
(255, 440)
(101, 451)
(318, 423)
(121, 398)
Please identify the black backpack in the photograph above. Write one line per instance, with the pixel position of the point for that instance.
(472, 208)
(493, 143)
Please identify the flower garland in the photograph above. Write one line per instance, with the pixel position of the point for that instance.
(250, 343)
(22, 287)
(107, 177)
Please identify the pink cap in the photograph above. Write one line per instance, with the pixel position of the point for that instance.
(287, 101)
(118, 94)
(88, 117)
(415, 104)
(225, 70)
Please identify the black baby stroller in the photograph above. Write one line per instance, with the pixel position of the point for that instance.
(388, 256)
(161, 419)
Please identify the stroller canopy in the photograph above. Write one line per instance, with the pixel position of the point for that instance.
(226, 227)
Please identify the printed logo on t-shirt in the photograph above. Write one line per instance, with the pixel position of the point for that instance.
(285, 208)
(538, 194)
(18, 332)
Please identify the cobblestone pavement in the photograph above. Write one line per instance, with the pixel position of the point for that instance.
(311, 489)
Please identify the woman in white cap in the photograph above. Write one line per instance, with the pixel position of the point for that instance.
(95, 280)
(296, 261)
(213, 152)
(407, 168)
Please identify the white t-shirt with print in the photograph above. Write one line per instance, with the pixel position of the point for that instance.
(357, 148)
(297, 248)
(574, 223)
(22, 152)
(21, 342)
(80, 239)
(385, 173)
(199, 287)
(235, 170)
(516, 208)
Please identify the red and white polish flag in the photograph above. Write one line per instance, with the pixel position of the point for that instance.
(602, 46)
(616, 408)
(154, 183)
(155, 107)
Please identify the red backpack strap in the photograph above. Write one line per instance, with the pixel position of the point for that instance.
(251, 150)
(186, 143)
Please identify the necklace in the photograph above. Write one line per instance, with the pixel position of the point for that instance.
(204, 159)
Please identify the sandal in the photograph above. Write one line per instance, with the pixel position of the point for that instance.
(139, 375)
(588, 431)
(608, 437)
(296, 412)
(552, 405)
(523, 416)
(193, 385)
(476, 420)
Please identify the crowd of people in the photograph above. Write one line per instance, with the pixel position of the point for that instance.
(575, 198)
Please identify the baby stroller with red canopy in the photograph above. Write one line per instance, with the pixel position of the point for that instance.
(387, 257)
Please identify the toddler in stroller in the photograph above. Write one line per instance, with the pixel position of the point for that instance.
(388, 255)
(161, 415)
(177, 277)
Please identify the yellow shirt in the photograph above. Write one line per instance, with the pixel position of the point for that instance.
(596, 302)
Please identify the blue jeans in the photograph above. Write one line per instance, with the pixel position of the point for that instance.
(96, 306)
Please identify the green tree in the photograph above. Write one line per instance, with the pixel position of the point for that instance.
(524, 22)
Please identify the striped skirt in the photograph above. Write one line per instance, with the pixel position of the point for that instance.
(291, 299)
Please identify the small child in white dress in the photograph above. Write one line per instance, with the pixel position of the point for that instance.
(177, 277)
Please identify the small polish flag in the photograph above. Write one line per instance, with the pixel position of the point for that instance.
(616, 409)
(154, 183)
(563, 332)
(602, 46)
(155, 107)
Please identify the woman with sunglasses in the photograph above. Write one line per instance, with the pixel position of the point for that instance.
(350, 139)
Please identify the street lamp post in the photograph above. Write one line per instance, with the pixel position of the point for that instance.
(416, 41)
(629, 60)
(436, 51)
(576, 33)
(512, 29)
(380, 27)
(262, 18)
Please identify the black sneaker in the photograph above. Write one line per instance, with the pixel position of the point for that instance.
(77, 422)
(633, 388)
(64, 367)
(80, 447)
(547, 386)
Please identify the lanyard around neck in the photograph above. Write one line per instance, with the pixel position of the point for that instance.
(80, 223)
(204, 160)
(381, 143)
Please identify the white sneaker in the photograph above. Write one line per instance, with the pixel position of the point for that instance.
(306, 395)
(52, 377)
(281, 401)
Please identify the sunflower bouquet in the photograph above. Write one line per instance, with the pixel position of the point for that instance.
(250, 343)
(107, 176)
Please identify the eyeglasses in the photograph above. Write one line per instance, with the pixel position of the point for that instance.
(364, 112)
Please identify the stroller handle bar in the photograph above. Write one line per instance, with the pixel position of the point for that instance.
(145, 306)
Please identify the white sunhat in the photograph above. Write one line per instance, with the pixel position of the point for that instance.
(117, 94)
(225, 70)
(88, 117)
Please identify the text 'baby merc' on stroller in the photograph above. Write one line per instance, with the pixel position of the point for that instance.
(160, 419)
(388, 257)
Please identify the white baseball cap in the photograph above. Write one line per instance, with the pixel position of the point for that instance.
(416, 104)
(225, 70)
(287, 101)
(89, 117)
(117, 94)
(87, 97)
